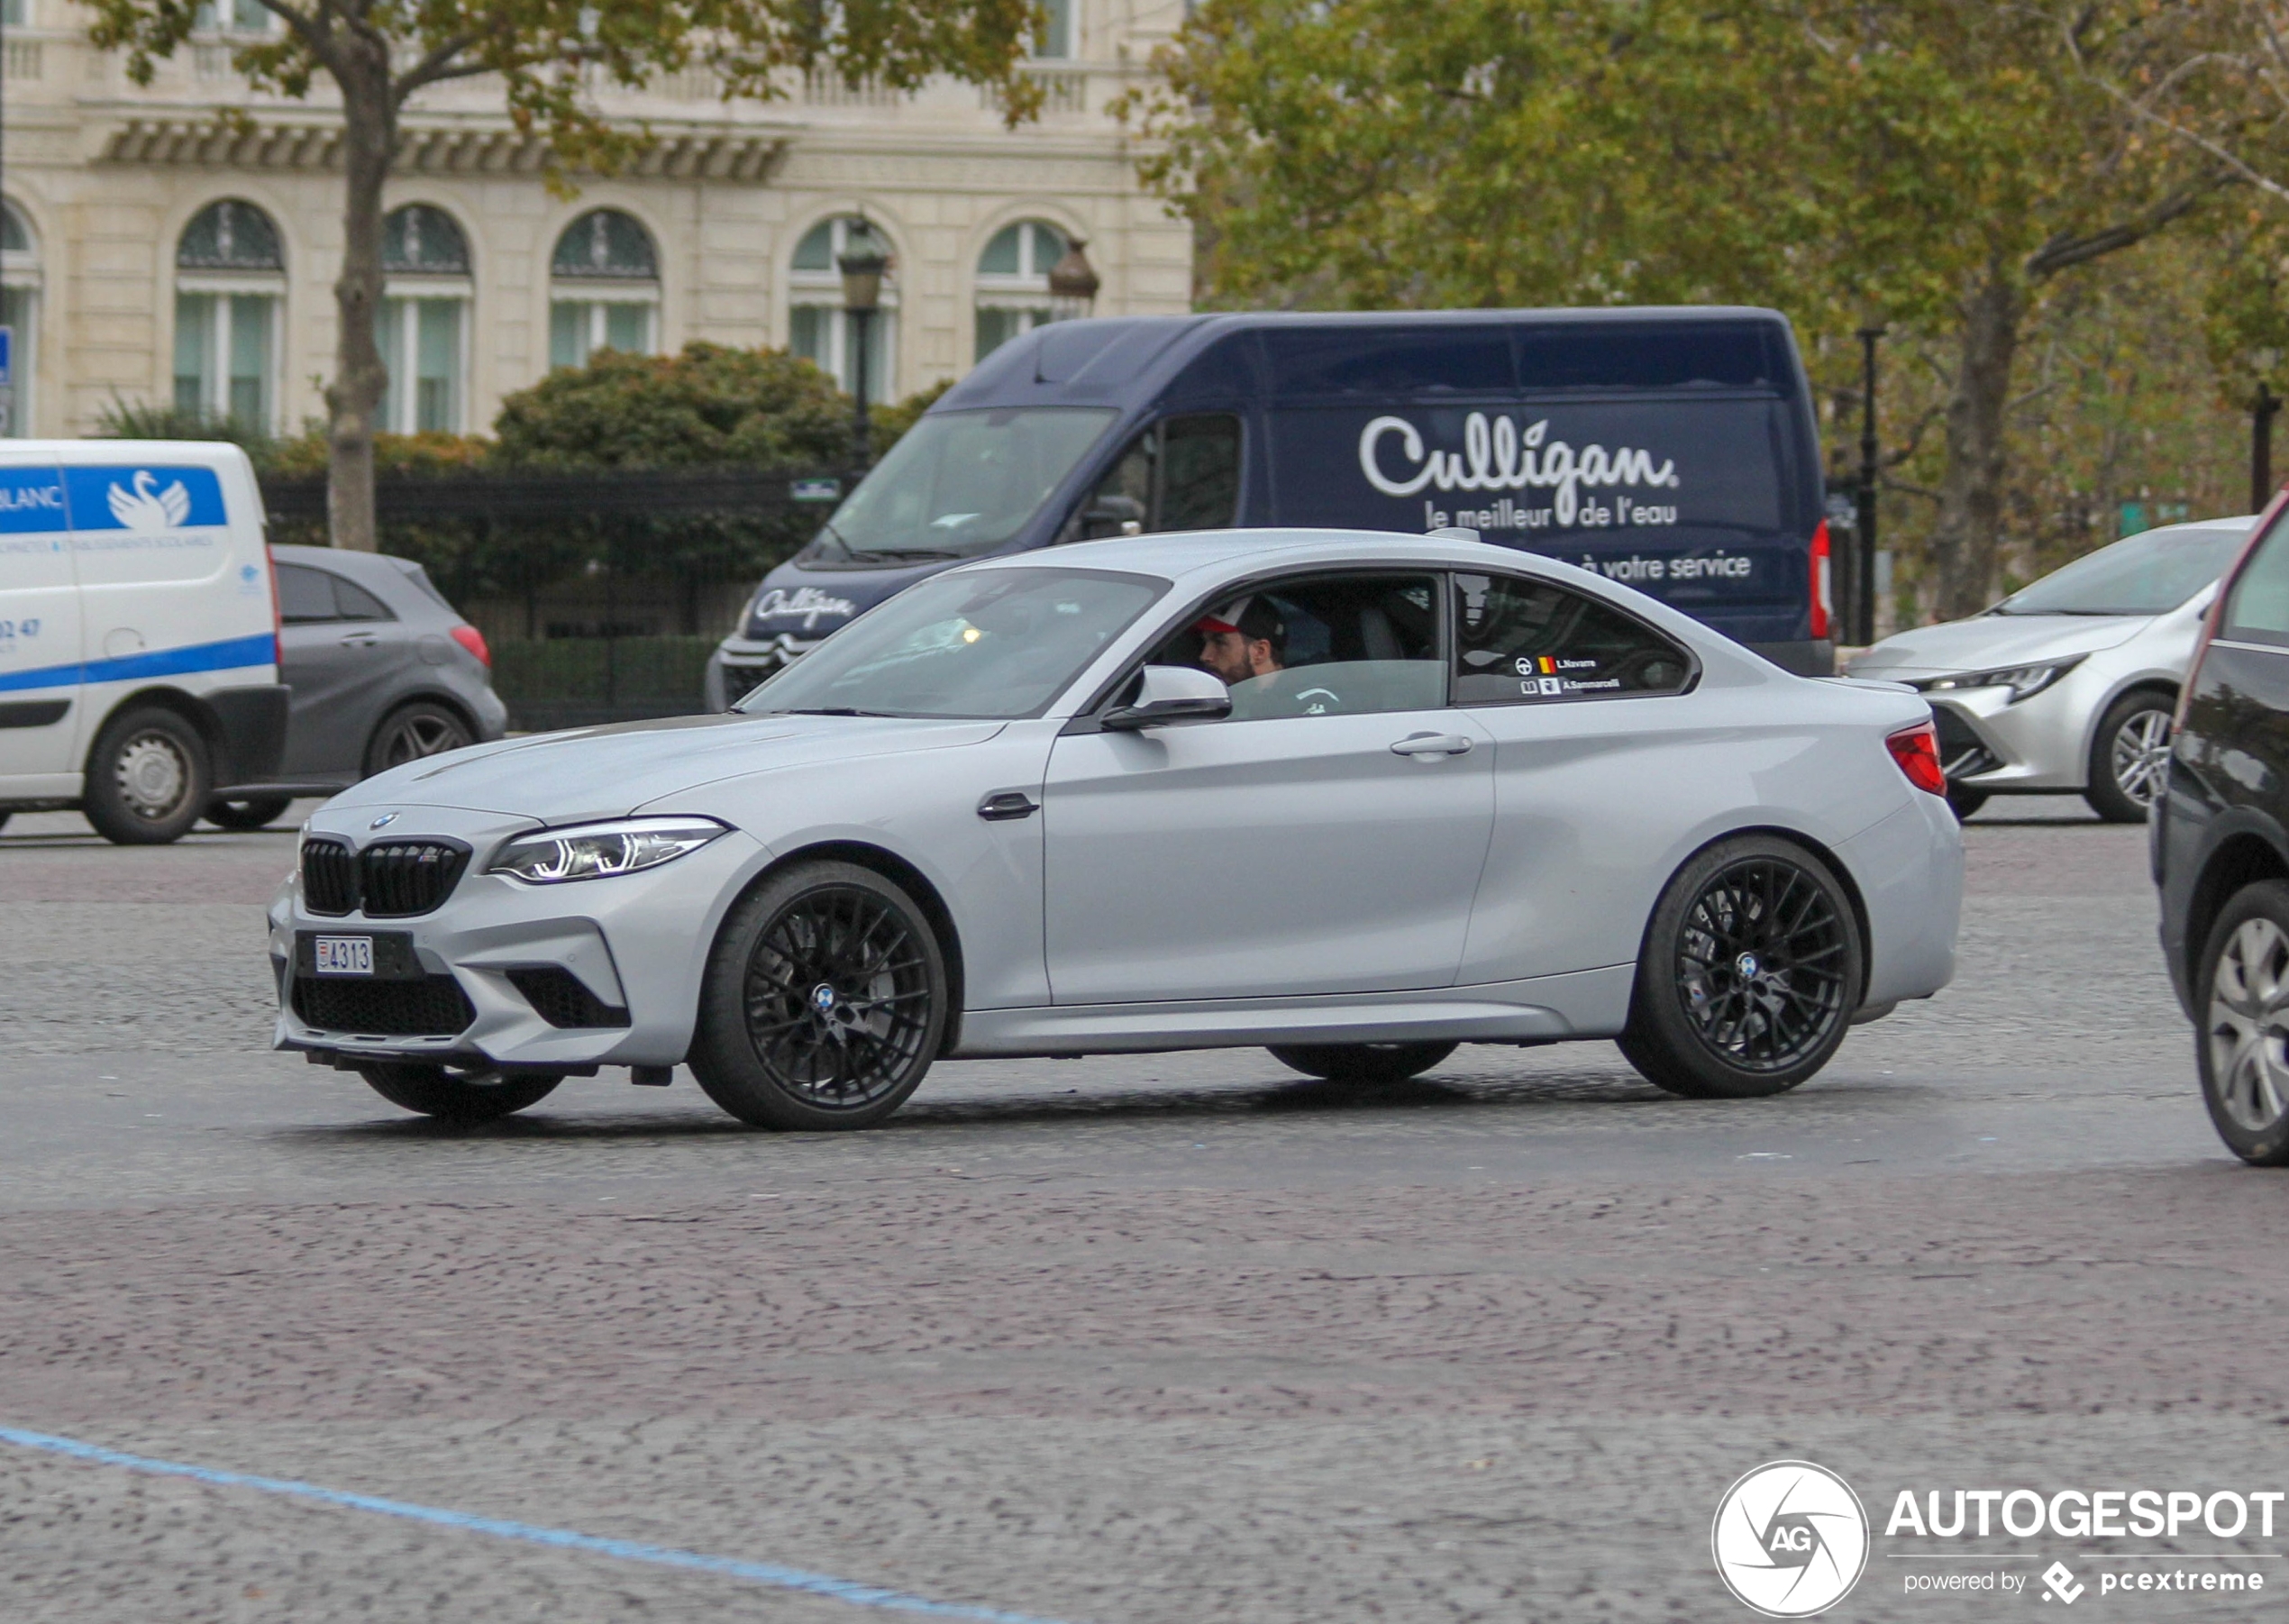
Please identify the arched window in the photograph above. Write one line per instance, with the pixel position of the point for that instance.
(230, 286)
(817, 326)
(422, 325)
(604, 288)
(19, 311)
(1013, 282)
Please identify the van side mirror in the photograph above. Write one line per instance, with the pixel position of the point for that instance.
(1112, 516)
(1170, 693)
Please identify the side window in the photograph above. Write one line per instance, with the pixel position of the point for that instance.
(353, 602)
(1320, 645)
(1183, 473)
(1527, 641)
(305, 596)
(2258, 611)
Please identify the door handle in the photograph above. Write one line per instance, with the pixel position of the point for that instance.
(359, 640)
(1007, 806)
(1419, 744)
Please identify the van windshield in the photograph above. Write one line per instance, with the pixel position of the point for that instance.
(2149, 574)
(959, 484)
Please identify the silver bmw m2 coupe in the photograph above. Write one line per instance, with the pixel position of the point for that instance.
(1355, 798)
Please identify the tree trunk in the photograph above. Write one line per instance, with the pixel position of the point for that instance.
(1966, 540)
(353, 399)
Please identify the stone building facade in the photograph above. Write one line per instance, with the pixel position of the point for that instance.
(150, 254)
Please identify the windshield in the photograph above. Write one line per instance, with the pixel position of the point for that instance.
(959, 484)
(997, 643)
(2148, 574)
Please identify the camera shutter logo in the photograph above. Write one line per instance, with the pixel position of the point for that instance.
(1790, 1539)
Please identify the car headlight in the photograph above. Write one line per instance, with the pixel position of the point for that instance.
(2024, 681)
(597, 851)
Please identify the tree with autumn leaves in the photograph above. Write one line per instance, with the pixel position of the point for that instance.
(551, 58)
(1945, 166)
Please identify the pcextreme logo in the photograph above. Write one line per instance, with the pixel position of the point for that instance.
(1790, 1539)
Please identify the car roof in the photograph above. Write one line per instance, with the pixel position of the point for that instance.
(1178, 553)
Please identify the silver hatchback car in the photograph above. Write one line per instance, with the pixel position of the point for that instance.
(383, 671)
(2067, 686)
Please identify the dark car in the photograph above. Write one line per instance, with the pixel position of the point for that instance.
(382, 670)
(2220, 849)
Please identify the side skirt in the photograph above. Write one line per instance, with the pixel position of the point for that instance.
(1585, 1003)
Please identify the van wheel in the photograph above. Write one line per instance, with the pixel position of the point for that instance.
(255, 813)
(414, 731)
(147, 777)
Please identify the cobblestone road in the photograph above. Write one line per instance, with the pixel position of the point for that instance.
(1162, 1339)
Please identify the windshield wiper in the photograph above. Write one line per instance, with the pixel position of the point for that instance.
(913, 552)
(830, 710)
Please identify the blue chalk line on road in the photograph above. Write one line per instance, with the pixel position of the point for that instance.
(627, 1550)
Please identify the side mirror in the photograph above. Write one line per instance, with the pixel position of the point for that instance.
(1172, 693)
(1112, 516)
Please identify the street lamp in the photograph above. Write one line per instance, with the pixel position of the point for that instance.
(862, 261)
(1072, 285)
(2262, 411)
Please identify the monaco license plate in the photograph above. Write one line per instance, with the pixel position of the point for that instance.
(344, 955)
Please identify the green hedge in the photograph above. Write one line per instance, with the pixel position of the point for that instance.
(646, 672)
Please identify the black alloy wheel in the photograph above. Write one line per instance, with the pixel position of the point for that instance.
(456, 1095)
(824, 1003)
(411, 731)
(1751, 969)
(255, 813)
(1361, 1064)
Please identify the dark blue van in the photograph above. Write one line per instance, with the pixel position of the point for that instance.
(1671, 449)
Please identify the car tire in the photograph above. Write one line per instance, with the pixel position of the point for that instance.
(411, 731)
(2130, 756)
(2241, 985)
(824, 1000)
(1751, 968)
(457, 1096)
(1963, 800)
(147, 777)
(1364, 1064)
(255, 813)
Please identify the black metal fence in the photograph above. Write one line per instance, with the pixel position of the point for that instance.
(600, 592)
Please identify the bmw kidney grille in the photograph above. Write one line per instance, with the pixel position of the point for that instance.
(392, 878)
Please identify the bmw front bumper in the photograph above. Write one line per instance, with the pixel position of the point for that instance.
(636, 944)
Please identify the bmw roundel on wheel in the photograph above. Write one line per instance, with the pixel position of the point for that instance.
(1432, 793)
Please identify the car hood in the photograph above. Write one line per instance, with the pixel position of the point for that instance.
(1989, 641)
(610, 772)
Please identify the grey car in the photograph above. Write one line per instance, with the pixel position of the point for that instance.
(382, 669)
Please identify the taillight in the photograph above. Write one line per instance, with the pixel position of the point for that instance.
(473, 640)
(1916, 750)
(1823, 600)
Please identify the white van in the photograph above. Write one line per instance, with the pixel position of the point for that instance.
(139, 632)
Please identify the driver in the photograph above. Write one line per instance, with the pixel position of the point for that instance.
(1244, 639)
